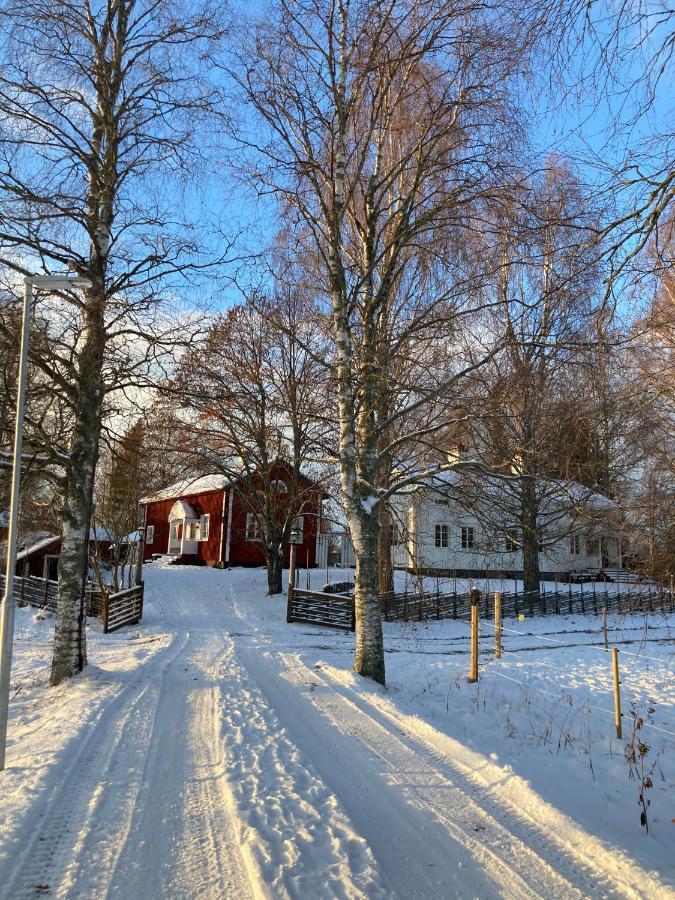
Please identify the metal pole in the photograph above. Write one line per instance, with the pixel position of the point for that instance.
(7, 610)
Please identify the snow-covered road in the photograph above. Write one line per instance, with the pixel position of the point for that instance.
(225, 766)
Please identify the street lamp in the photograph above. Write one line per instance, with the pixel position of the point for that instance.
(40, 282)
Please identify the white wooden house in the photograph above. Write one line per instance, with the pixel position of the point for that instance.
(438, 530)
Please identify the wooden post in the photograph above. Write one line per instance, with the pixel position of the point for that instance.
(498, 624)
(473, 676)
(617, 695)
(139, 560)
(291, 581)
(604, 625)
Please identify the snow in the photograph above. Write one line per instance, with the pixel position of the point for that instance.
(30, 545)
(217, 751)
(189, 486)
(369, 504)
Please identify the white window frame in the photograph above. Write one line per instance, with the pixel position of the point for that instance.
(299, 525)
(149, 534)
(441, 536)
(253, 529)
(575, 545)
(204, 526)
(468, 537)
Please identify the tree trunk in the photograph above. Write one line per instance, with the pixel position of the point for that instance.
(70, 647)
(274, 571)
(369, 653)
(384, 566)
(530, 534)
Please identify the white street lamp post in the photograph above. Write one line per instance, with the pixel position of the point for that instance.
(44, 282)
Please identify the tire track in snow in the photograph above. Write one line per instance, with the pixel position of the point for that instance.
(182, 842)
(63, 850)
(539, 850)
(293, 826)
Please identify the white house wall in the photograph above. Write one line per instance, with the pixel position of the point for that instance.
(421, 513)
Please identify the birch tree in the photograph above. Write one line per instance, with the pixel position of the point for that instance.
(532, 437)
(383, 130)
(100, 104)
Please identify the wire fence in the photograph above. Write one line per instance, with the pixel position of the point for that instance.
(502, 656)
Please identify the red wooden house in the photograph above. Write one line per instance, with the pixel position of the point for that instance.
(204, 521)
(39, 552)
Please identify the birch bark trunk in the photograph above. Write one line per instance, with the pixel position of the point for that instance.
(70, 645)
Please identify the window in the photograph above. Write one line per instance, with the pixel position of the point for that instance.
(441, 535)
(512, 540)
(279, 486)
(395, 536)
(575, 545)
(149, 534)
(252, 527)
(468, 537)
(204, 527)
(192, 530)
(299, 525)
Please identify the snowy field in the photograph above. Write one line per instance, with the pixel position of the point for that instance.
(216, 751)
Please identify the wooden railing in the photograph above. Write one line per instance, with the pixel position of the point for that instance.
(115, 610)
(316, 608)
(38, 592)
(435, 605)
(122, 608)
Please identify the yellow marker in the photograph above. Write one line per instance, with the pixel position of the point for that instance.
(521, 618)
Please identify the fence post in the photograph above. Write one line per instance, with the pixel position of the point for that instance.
(473, 675)
(140, 546)
(617, 695)
(105, 597)
(291, 583)
(454, 605)
(604, 625)
(498, 624)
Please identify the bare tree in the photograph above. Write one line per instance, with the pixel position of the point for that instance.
(100, 104)
(531, 438)
(383, 129)
(251, 404)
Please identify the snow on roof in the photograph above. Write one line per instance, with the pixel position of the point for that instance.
(32, 546)
(494, 485)
(189, 486)
(182, 510)
(101, 534)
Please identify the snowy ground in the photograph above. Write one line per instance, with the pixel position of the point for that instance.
(216, 751)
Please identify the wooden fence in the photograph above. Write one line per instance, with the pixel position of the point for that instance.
(123, 608)
(115, 610)
(427, 605)
(316, 608)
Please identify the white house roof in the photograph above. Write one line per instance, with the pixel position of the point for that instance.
(188, 487)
